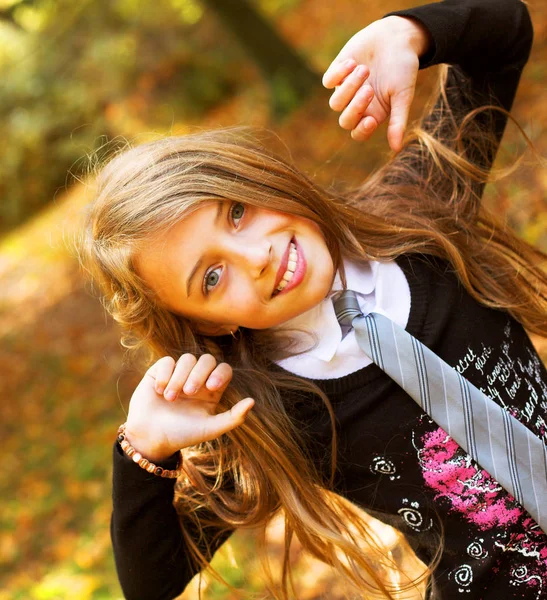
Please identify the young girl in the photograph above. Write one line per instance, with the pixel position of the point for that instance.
(222, 260)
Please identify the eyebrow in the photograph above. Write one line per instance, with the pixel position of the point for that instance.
(198, 264)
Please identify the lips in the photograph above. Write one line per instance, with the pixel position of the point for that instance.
(282, 266)
(298, 275)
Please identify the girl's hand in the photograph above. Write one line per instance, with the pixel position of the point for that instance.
(174, 406)
(375, 77)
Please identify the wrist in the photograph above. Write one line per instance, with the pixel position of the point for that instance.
(146, 447)
(144, 463)
(418, 36)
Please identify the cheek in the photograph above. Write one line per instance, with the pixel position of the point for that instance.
(274, 221)
(242, 299)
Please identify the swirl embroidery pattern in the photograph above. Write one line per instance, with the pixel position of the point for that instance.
(413, 517)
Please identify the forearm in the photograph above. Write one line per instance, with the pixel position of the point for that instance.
(490, 40)
(478, 35)
(146, 536)
(151, 556)
(487, 42)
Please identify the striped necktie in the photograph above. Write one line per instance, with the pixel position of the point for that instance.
(498, 442)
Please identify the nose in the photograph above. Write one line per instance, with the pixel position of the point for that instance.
(254, 256)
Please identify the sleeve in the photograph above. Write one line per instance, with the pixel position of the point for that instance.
(149, 548)
(486, 43)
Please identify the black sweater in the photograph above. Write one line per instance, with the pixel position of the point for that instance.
(393, 460)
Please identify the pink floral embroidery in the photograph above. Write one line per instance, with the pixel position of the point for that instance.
(470, 490)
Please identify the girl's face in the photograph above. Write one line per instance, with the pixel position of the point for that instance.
(223, 267)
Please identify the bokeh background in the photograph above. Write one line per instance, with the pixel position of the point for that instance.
(76, 76)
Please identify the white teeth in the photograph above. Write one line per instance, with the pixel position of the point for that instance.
(291, 268)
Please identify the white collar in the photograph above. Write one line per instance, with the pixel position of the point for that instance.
(321, 319)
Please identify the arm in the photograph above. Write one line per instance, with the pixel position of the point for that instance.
(151, 556)
(149, 550)
(487, 42)
(485, 38)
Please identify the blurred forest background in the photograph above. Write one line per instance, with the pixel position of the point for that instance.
(75, 76)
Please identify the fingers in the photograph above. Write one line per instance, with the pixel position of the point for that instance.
(337, 72)
(220, 378)
(161, 371)
(353, 97)
(355, 111)
(364, 129)
(199, 374)
(190, 375)
(348, 88)
(179, 376)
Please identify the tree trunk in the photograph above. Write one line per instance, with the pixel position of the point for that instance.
(289, 77)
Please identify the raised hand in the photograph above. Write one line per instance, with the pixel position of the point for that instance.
(375, 77)
(175, 406)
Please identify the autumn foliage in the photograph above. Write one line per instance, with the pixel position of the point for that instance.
(77, 72)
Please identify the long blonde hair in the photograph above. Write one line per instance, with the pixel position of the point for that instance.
(425, 200)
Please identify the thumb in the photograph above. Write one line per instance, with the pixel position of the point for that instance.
(228, 420)
(398, 118)
(242, 408)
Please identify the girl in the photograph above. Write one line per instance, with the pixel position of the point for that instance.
(222, 259)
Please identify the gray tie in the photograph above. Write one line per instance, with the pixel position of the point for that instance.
(498, 442)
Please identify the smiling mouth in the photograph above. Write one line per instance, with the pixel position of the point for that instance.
(289, 272)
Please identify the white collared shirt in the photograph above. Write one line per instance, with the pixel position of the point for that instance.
(380, 287)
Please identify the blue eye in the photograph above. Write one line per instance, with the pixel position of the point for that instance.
(236, 212)
(210, 280)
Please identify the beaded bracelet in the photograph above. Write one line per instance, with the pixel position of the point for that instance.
(143, 462)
